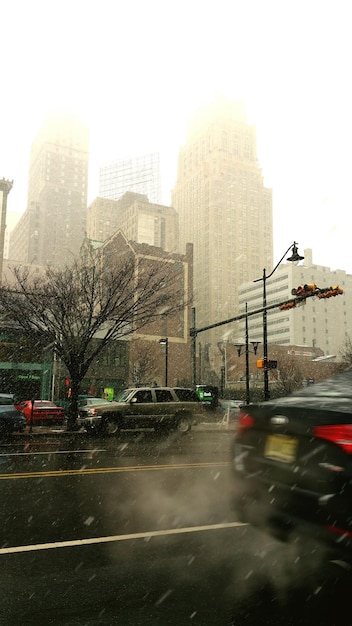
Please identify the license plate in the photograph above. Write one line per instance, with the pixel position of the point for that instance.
(281, 448)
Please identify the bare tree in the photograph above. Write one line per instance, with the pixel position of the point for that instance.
(346, 351)
(289, 376)
(143, 369)
(100, 296)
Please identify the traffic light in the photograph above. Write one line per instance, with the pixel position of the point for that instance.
(260, 364)
(328, 292)
(304, 290)
(272, 365)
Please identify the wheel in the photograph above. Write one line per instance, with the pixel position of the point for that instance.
(91, 431)
(183, 425)
(111, 426)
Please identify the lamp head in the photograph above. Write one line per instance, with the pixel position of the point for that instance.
(295, 257)
(255, 345)
(239, 347)
(163, 342)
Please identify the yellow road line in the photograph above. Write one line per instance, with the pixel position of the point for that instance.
(114, 538)
(110, 470)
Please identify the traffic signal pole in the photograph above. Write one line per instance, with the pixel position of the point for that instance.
(265, 340)
(194, 331)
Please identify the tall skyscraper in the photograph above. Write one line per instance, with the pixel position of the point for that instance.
(52, 228)
(224, 208)
(139, 174)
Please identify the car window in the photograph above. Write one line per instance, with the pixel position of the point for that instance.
(163, 395)
(187, 395)
(143, 395)
(44, 404)
(6, 400)
(123, 395)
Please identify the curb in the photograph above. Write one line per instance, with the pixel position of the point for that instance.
(61, 432)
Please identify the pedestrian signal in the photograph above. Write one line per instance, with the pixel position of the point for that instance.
(271, 365)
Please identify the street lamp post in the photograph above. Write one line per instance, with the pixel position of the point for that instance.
(222, 347)
(165, 342)
(239, 348)
(5, 188)
(294, 258)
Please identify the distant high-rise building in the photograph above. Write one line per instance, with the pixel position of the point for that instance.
(12, 218)
(224, 208)
(140, 221)
(51, 230)
(317, 323)
(139, 174)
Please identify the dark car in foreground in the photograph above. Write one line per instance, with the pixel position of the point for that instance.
(158, 408)
(292, 460)
(11, 420)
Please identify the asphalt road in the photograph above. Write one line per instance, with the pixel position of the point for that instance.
(139, 531)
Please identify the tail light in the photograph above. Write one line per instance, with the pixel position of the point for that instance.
(91, 411)
(339, 531)
(245, 421)
(340, 434)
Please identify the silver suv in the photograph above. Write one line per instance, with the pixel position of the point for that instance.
(159, 408)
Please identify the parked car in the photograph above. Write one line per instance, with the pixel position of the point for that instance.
(11, 419)
(292, 461)
(159, 408)
(44, 411)
(230, 405)
(7, 398)
(89, 401)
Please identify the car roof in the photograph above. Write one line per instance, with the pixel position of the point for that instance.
(333, 388)
(38, 403)
(10, 407)
(339, 385)
(146, 388)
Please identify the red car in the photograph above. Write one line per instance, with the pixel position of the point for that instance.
(44, 411)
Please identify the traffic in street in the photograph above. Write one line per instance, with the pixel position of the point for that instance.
(139, 530)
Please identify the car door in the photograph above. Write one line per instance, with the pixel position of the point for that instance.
(139, 410)
(165, 407)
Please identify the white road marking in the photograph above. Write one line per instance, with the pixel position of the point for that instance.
(114, 538)
(52, 452)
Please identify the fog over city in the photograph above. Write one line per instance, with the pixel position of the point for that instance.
(137, 72)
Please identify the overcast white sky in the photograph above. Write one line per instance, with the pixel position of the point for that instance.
(136, 70)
